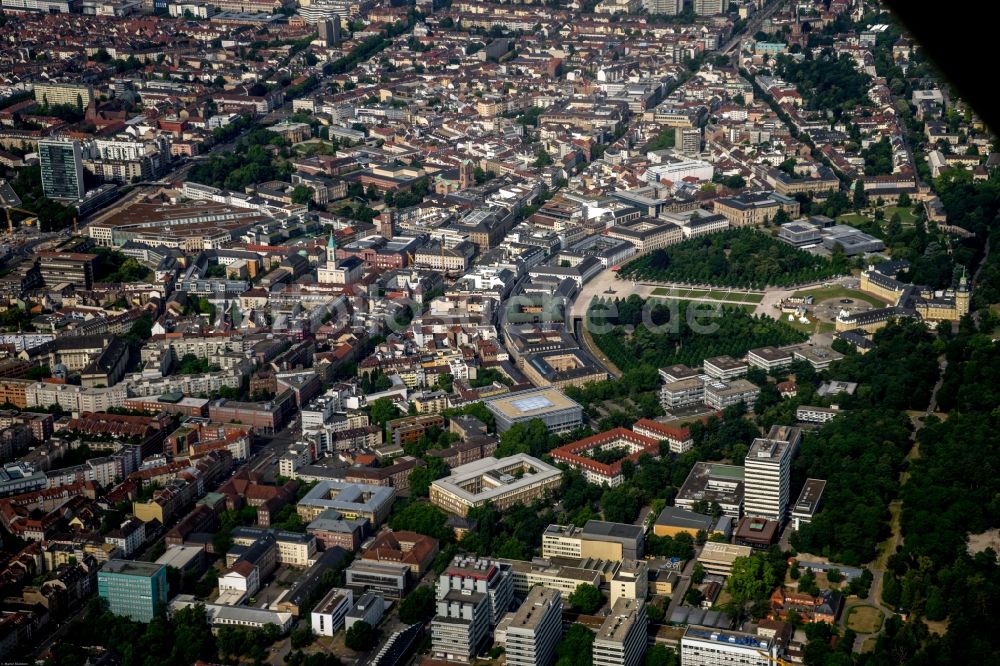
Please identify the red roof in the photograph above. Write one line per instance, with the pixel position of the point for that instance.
(571, 453)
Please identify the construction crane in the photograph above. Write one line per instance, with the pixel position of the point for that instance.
(10, 201)
(774, 660)
(10, 222)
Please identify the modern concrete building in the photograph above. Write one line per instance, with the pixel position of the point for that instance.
(713, 483)
(563, 579)
(133, 589)
(724, 367)
(664, 7)
(767, 479)
(328, 615)
(808, 503)
(683, 392)
(369, 609)
(622, 640)
(597, 539)
(62, 168)
(559, 413)
(391, 579)
(630, 582)
(673, 521)
(815, 414)
(77, 95)
(472, 596)
(720, 394)
(535, 629)
(706, 646)
(517, 479)
(718, 558)
(770, 359)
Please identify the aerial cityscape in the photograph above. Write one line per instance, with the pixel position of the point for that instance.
(494, 333)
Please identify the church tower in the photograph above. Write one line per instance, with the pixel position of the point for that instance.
(466, 175)
(331, 251)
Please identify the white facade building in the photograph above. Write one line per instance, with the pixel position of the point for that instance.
(768, 478)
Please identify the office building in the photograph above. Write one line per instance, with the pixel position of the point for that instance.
(767, 479)
(535, 630)
(517, 479)
(597, 539)
(329, 31)
(690, 140)
(622, 640)
(328, 615)
(673, 521)
(562, 579)
(61, 161)
(630, 582)
(678, 437)
(759, 533)
(706, 646)
(350, 500)
(391, 579)
(559, 413)
(814, 414)
(472, 595)
(720, 394)
(713, 483)
(620, 442)
(770, 359)
(808, 503)
(725, 367)
(133, 589)
(682, 393)
(718, 558)
(73, 267)
(369, 609)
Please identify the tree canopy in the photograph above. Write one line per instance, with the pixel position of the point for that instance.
(742, 258)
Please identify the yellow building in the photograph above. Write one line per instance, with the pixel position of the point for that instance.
(73, 94)
(673, 521)
(906, 301)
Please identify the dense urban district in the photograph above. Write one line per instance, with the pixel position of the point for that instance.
(459, 332)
